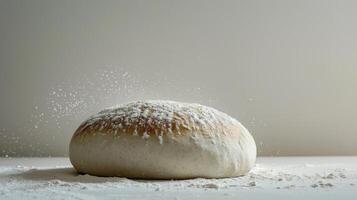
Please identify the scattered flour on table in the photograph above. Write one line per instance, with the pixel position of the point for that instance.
(27, 181)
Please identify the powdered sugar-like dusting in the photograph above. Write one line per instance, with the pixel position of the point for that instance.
(272, 178)
(157, 117)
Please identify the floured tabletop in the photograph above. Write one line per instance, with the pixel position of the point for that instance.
(272, 177)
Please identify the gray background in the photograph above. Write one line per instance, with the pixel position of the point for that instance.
(286, 69)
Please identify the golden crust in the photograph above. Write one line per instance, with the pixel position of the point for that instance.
(158, 118)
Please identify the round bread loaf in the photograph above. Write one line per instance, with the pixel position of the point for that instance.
(162, 140)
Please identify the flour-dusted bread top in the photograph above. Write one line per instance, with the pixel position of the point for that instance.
(158, 118)
(162, 140)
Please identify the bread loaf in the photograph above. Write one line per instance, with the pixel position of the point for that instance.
(162, 140)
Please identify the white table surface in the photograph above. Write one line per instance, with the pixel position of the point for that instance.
(272, 178)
